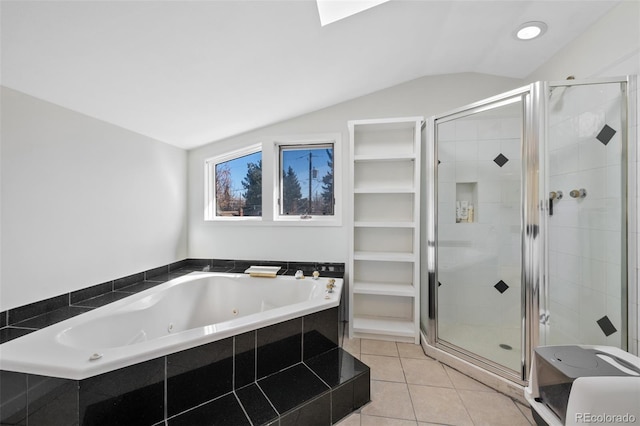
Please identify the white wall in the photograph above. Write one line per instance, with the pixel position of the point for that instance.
(83, 201)
(267, 241)
(611, 47)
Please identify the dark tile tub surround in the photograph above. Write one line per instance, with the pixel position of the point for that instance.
(207, 385)
(26, 319)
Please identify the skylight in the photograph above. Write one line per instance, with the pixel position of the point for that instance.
(333, 10)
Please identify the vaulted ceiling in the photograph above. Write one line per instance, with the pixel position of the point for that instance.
(192, 72)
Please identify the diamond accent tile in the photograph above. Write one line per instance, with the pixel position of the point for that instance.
(606, 326)
(606, 134)
(501, 160)
(501, 286)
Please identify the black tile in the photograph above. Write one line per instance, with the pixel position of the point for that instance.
(10, 333)
(223, 411)
(244, 359)
(90, 292)
(139, 286)
(342, 401)
(279, 346)
(52, 401)
(128, 280)
(291, 387)
(606, 134)
(221, 265)
(102, 300)
(361, 390)
(330, 267)
(501, 286)
(178, 265)
(52, 317)
(198, 264)
(157, 274)
(320, 332)
(198, 375)
(336, 367)
(315, 413)
(179, 273)
(13, 398)
(38, 308)
(129, 396)
(306, 267)
(606, 326)
(256, 405)
(501, 160)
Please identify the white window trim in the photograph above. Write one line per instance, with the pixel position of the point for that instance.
(210, 184)
(298, 140)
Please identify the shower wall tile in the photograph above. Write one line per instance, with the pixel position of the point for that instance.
(466, 150)
(466, 171)
(447, 131)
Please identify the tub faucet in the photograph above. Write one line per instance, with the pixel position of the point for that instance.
(330, 285)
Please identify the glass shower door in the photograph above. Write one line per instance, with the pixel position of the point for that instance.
(479, 232)
(586, 215)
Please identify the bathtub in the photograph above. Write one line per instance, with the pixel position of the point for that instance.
(183, 313)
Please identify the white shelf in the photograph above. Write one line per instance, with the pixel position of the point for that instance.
(389, 256)
(383, 190)
(380, 158)
(384, 326)
(384, 289)
(385, 224)
(384, 242)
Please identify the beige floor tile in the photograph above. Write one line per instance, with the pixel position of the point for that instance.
(351, 420)
(389, 400)
(409, 350)
(425, 372)
(462, 381)
(384, 368)
(526, 411)
(492, 409)
(438, 405)
(384, 421)
(378, 347)
(351, 345)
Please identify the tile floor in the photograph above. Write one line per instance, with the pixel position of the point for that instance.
(410, 389)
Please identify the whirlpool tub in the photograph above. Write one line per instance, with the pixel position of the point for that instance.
(187, 312)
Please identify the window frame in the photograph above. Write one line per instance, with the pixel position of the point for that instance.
(210, 205)
(300, 142)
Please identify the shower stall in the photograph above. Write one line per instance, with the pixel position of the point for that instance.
(528, 200)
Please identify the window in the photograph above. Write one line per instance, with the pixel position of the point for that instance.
(234, 185)
(306, 180)
(290, 181)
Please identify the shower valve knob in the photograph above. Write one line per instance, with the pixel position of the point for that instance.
(555, 195)
(578, 193)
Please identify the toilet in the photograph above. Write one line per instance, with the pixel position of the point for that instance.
(580, 384)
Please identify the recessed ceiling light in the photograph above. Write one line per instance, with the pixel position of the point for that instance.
(530, 30)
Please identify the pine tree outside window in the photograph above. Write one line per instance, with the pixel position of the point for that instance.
(306, 180)
(234, 185)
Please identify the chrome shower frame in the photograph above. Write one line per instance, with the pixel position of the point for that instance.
(534, 253)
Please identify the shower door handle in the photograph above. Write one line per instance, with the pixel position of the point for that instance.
(553, 195)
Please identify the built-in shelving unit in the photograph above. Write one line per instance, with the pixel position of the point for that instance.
(384, 258)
